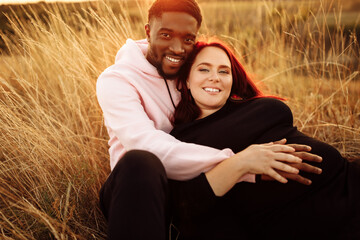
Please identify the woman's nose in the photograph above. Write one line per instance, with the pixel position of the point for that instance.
(214, 77)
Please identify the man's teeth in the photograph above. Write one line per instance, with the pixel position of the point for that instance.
(172, 59)
(211, 90)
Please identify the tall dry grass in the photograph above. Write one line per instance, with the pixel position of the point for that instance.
(54, 145)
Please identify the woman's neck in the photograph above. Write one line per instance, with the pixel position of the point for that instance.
(206, 112)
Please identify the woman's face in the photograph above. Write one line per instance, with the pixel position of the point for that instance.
(210, 80)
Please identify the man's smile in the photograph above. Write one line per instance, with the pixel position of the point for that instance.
(174, 60)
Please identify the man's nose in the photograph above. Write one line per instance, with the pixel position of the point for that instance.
(177, 46)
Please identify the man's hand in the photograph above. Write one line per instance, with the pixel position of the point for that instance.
(301, 151)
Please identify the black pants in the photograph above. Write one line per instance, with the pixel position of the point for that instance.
(134, 198)
(139, 202)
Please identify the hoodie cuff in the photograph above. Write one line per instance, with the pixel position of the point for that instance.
(248, 178)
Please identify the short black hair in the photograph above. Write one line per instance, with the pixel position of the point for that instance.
(191, 7)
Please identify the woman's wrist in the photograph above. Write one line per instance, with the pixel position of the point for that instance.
(240, 164)
(225, 175)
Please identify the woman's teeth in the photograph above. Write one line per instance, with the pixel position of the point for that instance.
(211, 90)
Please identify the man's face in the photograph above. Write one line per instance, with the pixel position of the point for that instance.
(171, 38)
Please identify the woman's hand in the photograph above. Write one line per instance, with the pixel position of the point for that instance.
(264, 159)
(301, 151)
(268, 159)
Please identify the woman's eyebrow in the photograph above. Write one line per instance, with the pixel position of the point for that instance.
(209, 64)
(204, 63)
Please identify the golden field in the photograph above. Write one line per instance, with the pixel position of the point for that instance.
(54, 158)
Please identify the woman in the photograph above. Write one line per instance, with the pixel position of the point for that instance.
(221, 107)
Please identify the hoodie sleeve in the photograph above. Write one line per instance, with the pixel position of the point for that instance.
(125, 115)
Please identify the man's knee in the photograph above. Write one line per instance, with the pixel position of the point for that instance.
(137, 169)
(136, 185)
(140, 163)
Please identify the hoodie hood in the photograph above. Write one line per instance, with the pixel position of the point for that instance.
(133, 53)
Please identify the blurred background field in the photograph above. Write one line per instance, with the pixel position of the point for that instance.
(54, 157)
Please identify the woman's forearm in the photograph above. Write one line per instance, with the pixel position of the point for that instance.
(225, 175)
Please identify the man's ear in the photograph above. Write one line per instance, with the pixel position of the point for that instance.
(147, 31)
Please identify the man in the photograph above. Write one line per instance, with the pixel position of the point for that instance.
(138, 97)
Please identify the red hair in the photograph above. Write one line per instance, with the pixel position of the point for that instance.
(242, 88)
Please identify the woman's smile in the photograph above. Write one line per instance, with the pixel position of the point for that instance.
(211, 90)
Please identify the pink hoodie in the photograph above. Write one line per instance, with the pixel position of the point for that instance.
(137, 111)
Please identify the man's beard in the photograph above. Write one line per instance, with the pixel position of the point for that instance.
(164, 75)
(158, 66)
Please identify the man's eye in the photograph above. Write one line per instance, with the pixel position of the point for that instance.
(165, 35)
(189, 41)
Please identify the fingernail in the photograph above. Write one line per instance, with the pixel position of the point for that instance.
(309, 182)
(319, 170)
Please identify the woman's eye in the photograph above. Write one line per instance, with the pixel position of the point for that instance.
(203, 70)
(224, 72)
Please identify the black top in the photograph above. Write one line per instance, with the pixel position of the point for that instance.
(238, 125)
(324, 205)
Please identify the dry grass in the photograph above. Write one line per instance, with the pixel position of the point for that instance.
(54, 145)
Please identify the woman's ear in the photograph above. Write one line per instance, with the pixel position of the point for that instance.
(188, 84)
